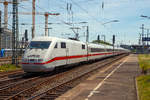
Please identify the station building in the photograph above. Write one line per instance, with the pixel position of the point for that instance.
(5, 38)
(139, 49)
(6, 41)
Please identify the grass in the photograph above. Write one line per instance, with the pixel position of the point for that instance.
(144, 87)
(144, 61)
(143, 81)
(8, 67)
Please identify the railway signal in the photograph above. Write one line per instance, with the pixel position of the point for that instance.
(113, 39)
(113, 42)
(26, 35)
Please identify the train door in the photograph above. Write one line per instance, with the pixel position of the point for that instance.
(55, 54)
(67, 54)
(64, 52)
(87, 51)
(105, 50)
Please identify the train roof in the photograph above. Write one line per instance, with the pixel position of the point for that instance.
(95, 45)
(46, 38)
(120, 48)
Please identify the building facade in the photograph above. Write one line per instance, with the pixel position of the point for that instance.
(5, 39)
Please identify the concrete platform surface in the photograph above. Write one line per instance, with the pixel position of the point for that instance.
(114, 82)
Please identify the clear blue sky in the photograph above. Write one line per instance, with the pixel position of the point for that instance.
(126, 11)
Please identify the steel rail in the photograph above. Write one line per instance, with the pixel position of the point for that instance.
(5, 74)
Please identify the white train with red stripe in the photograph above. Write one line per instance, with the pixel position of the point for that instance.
(46, 53)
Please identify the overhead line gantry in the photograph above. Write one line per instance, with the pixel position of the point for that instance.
(5, 3)
(46, 14)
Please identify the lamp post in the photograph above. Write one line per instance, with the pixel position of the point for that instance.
(110, 22)
(107, 23)
(113, 40)
(145, 16)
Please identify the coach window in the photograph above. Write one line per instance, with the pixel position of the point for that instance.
(63, 45)
(109, 49)
(55, 45)
(83, 46)
(97, 50)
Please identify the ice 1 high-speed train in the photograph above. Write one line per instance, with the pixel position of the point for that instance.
(46, 53)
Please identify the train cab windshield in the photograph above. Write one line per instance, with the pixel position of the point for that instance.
(39, 44)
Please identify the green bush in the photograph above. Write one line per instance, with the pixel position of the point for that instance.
(144, 87)
(144, 80)
(8, 67)
(144, 61)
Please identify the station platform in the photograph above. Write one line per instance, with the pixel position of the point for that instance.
(114, 82)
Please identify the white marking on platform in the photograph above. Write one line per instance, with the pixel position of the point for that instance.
(102, 82)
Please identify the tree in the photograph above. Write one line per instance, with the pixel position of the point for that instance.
(101, 42)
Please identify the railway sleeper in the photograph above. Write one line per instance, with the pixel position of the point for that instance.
(3, 95)
(49, 97)
(62, 89)
(7, 92)
(3, 98)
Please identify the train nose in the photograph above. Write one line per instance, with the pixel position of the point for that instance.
(34, 56)
(32, 60)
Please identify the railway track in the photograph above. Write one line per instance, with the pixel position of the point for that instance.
(53, 92)
(4, 82)
(51, 86)
(22, 84)
(8, 60)
(11, 73)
